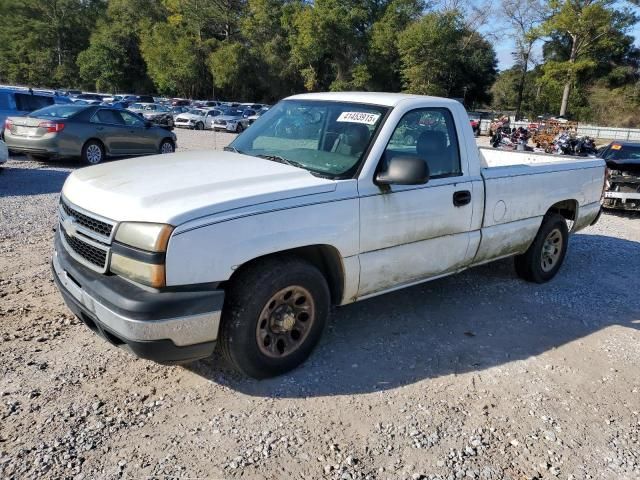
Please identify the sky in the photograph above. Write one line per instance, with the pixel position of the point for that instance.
(506, 46)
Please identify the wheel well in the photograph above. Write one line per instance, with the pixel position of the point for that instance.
(168, 138)
(567, 208)
(324, 257)
(104, 147)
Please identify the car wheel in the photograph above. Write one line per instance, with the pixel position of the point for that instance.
(92, 152)
(167, 146)
(199, 126)
(543, 259)
(275, 312)
(239, 128)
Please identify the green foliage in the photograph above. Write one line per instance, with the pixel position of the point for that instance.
(441, 56)
(41, 39)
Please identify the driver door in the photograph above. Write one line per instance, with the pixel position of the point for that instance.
(140, 139)
(409, 233)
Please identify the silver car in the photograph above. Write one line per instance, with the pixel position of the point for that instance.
(229, 121)
(197, 118)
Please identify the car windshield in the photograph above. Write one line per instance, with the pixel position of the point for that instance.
(326, 138)
(57, 111)
(622, 152)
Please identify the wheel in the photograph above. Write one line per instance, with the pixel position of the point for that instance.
(274, 314)
(239, 128)
(199, 126)
(92, 152)
(166, 146)
(543, 259)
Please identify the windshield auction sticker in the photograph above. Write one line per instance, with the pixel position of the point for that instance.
(359, 117)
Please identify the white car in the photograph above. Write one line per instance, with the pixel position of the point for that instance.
(337, 197)
(197, 118)
(4, 152)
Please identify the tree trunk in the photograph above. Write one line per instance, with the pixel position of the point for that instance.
(567, 85)
(523, 78)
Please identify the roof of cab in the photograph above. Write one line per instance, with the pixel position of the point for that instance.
(374, 98)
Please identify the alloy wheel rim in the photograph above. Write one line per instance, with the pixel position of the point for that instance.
(167, 148)
(94, 154)
(551, 250)
(285, 321)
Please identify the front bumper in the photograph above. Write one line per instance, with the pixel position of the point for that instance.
(167, 327)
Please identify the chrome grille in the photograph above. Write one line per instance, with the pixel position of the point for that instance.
(97, 226)
(90, 253)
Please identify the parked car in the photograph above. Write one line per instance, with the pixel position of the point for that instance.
(229, 120)
(180, 102)
(4, 153)
(241, 123)
(87, 132)
(475, 118)
(248, 248)
(256, 115)
(623, 182)
(158, 114)
(197, 118)
(89, 97)
(20, 101)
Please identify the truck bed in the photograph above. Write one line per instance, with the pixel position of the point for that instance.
(498, 163)
(520, 187)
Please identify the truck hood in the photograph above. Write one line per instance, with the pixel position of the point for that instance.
(179, 187)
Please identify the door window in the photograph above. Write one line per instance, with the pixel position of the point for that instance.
(110, 117)
(429, 134)
(4, 101)
(131, 120)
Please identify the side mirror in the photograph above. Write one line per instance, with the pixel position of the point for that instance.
(402, 170)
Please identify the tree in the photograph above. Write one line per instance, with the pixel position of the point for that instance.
(588, 25)
(441, 56)
(525, 18)
(42, 38)
(113, 61)
(384, 59)
(328, 44)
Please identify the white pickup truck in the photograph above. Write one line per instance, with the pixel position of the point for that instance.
(328, 198)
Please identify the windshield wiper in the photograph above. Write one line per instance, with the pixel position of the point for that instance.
(279, 159)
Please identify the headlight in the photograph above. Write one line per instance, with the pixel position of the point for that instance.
(140, 257)
(152, 237)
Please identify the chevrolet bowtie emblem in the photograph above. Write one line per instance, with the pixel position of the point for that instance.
(69, 225)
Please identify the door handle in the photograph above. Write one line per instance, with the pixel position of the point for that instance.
(99, 128)
(463, 197)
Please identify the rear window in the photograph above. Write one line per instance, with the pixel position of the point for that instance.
(623, 152)
(57, 111)
(28, 103)
(4, 101)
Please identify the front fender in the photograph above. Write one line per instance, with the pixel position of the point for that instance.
(211, 253)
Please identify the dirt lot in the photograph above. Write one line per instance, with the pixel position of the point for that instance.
(476, 376)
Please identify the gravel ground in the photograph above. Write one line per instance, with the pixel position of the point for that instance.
(475, 376)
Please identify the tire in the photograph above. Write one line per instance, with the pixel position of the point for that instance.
(166, 146)
(541, 262)
(199, 126)
(239, 128)
(92, 153)
(256, 334)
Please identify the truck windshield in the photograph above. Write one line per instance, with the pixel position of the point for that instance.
(326, 138)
